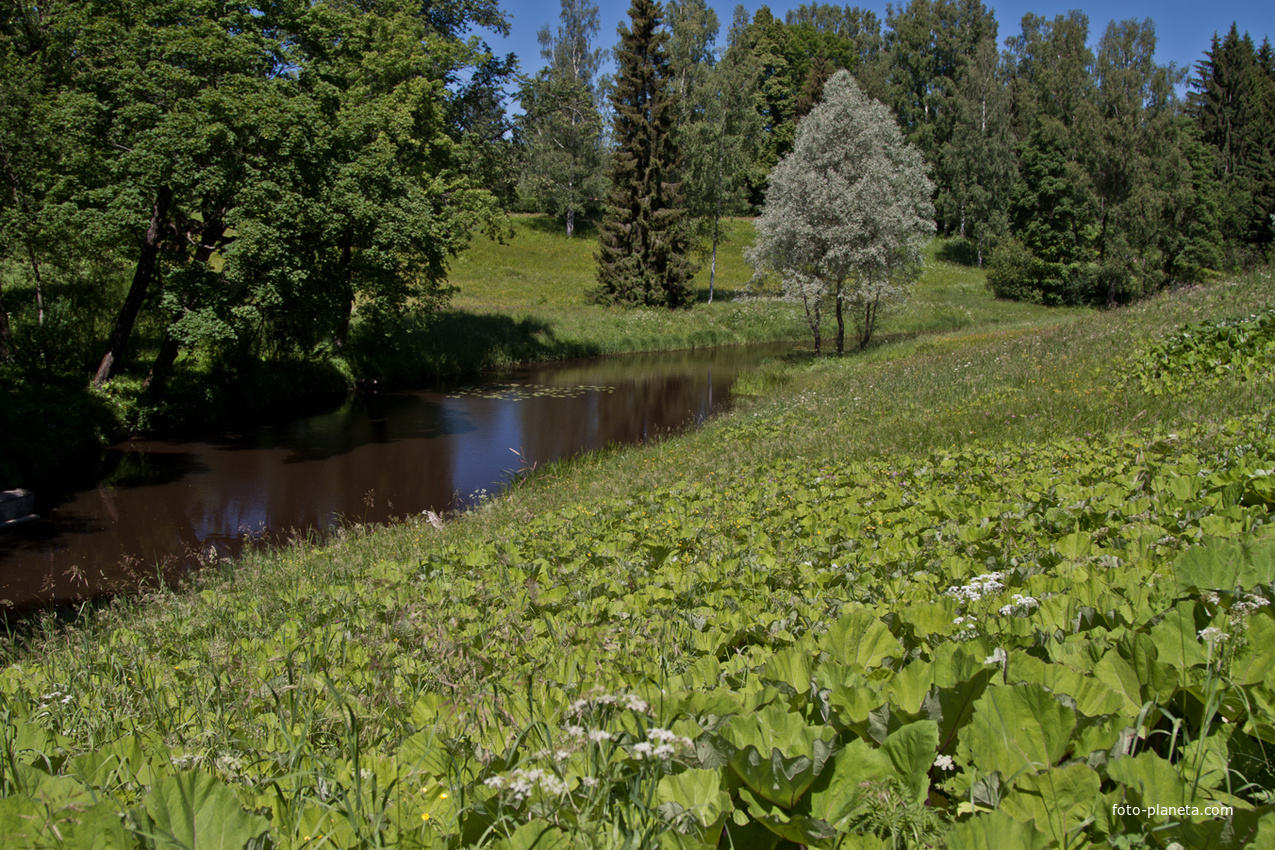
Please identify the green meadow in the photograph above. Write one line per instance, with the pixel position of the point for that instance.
(1001, 580)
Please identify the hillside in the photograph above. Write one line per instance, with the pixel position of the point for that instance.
(1002, 581)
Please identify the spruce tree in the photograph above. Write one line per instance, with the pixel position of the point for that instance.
(642, 255)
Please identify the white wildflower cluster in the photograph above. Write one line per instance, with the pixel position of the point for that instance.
(53, 696)
(966, 620)
(1250, 604)
(978, 587)
(519, 783)
(1020, 603)
(945, 763)
(630, 701)
(660, 744)
(1213, 635)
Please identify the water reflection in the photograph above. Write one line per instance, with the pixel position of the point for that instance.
(162, 502)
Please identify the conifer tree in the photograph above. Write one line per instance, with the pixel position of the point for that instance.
(642, 254)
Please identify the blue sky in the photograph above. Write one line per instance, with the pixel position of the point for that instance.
(1183, 29)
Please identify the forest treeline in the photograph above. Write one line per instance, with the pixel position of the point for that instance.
(1063, 157)
(253, 180)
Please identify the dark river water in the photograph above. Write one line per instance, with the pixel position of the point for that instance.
(164, 504)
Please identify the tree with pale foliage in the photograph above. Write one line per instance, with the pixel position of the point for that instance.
(846, 214)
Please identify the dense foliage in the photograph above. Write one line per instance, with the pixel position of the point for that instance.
(1079, 171)
(233, 180)
(202, 192)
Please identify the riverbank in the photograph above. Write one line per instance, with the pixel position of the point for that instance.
(523, 300)
(809, 622)
(520, 301)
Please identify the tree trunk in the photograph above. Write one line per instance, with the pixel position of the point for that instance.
(841, 324)
(717, 229)
(571, 221)
(869, 321)
(6, 336)
(163, 364)
(39, 285)
(142, 277)
(347, 309)
(210, 236)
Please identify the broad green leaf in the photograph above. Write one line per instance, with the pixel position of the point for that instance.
(795, 827)
(911, 751)
(776, 754)
(1121, 679)
(1224, 566)
(1017, 729)
(792, 666)
(1060, 800)
(1092, 697)
(909, 688)
(1176, 637)
(195, 810)
(996, 831)
(852, 696)
(1254, 663)
(695, 795)
(536, 835)
(1150, 779)
(1075, 545)
(1158, 680)
(839, 790)
(860, 639)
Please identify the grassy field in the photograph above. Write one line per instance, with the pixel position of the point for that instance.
(983, 585)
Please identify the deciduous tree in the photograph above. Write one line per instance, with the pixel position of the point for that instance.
(846, 213)
(564, 163)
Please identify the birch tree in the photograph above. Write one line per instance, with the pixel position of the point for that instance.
(846, 214)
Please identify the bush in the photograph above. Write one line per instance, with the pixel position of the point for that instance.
(1016, 273)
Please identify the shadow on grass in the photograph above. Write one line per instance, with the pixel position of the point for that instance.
(962, 252)
(51, 432)
(585, 228)
(458, 343)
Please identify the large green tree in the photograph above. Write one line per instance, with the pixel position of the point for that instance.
(719, 125)
(643, 244)
(978, 164)
(564, 163)
(846, 214)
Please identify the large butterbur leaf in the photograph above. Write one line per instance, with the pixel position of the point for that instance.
(1018, 729)
(536, 835)
(776, 754)
(695, 803)
(1223, 566)
(1060, 801)
(996, 831)
(1177, 639)
(860, 639)
(838, 793)
(195, 810)
(911, 751)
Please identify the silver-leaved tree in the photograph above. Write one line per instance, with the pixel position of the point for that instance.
(846, 214)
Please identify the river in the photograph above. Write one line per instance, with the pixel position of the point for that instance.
(168, 505)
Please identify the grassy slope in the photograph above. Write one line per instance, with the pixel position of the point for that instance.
(526, 299)
(302, 670)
